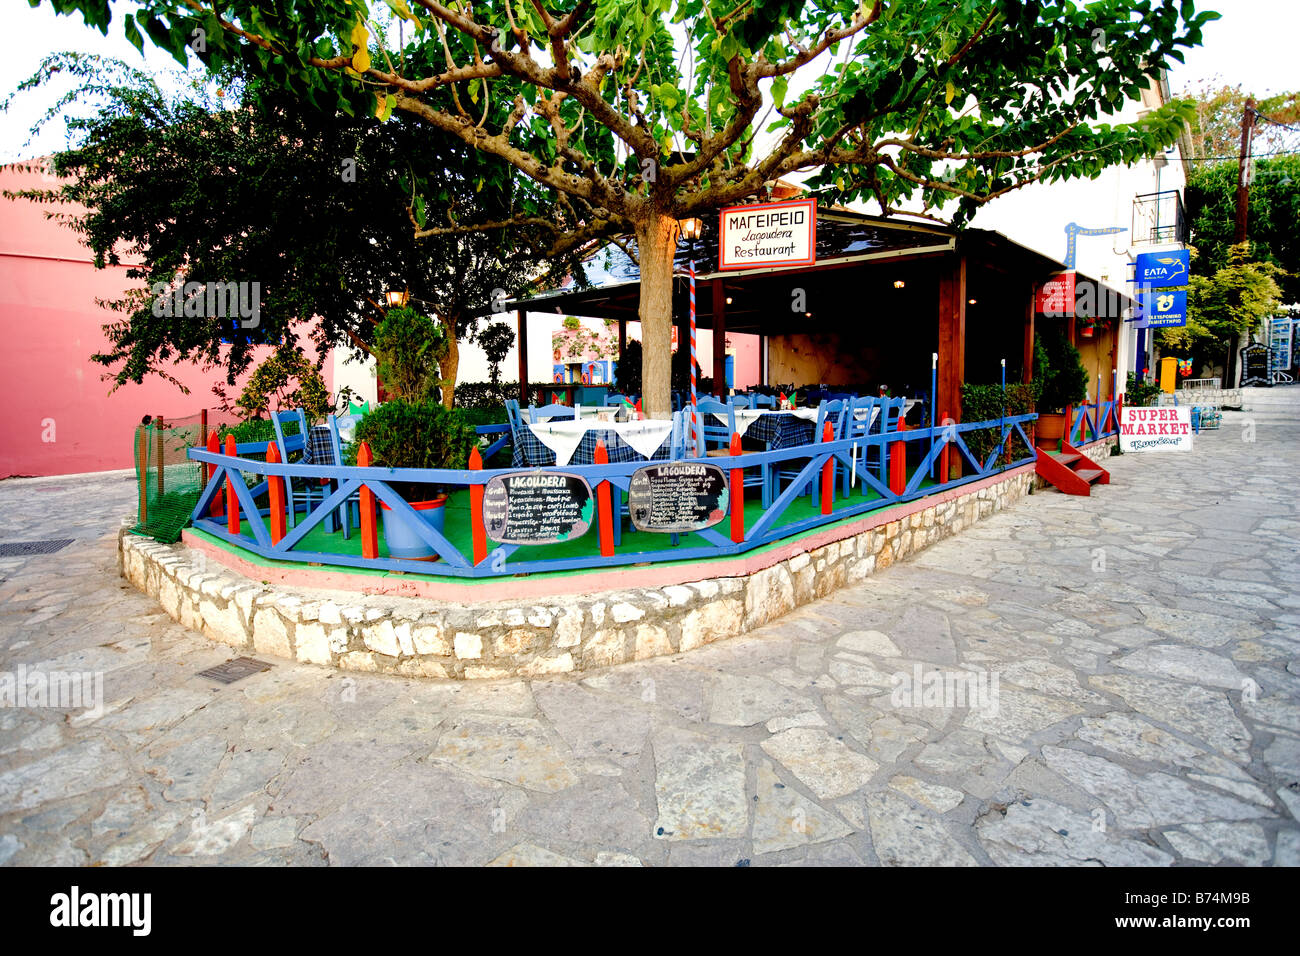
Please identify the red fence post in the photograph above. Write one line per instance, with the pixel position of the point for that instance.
(232, 509)
(943, 455)
(275, 494)
(898, 463)
(737, 495)
(602, 504)
(218, 506)
(828, 471)
(369, 532)
(477, 529)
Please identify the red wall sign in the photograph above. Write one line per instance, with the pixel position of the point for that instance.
(1056, 295)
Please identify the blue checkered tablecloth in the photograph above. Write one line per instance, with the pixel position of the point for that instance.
(779, 431)
(319, 449)
(529, 452)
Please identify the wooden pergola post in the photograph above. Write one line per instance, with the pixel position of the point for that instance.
(719, 338)
(1028, 369)
(523, 357)
(952, 344)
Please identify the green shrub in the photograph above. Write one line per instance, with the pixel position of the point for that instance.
(1140, 393)
(408, 347)
(285, 379)
(982, 403)
(1066, 380)
(423, 434)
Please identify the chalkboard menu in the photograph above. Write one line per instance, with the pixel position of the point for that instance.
(678, 497)
(537, 507)
(1254, 365)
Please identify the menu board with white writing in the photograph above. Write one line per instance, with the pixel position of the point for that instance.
(677, 498)
(537, 507)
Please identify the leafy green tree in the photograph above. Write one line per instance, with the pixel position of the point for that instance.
(240, 183)
(496, 339)
(1223, 307)
(1273, 213)
(1216, 128)
(632, 126)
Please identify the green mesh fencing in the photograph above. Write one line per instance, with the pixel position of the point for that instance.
(169, 484)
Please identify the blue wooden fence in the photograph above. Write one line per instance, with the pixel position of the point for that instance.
(926, 445)
(1093, 422)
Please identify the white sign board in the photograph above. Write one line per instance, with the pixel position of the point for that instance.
(771, 234)
(1155, 429)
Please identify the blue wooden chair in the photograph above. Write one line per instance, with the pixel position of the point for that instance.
(763, 401)
(713, 436)
(742, 401)
(549, 413)
(292, 450)
(350, 510)
(858, 424)
(891, 413)
(833, 412)
(615, 401)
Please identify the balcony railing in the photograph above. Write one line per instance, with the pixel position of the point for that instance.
(1159, 218)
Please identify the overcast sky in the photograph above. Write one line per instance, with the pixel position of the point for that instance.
(1254, 44)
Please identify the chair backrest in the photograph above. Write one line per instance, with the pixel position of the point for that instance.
(615, 400)
(678, 402)
(512, 413)
(710, 429)
(336, 444)
(292, 442)
(677, 441)
(833, 412)
(891, 411)
(858, 417)
(763, 401)
(742, 401)
(548, 413)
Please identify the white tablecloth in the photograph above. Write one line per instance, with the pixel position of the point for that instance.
(563, 437)
(745, 417)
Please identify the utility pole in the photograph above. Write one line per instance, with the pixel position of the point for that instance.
(1245, 173)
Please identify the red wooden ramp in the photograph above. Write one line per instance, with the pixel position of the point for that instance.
(1072, 471)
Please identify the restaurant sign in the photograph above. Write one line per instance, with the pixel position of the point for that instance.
(537, 507)
(1056, 296)
(771, 234)
(677, 498)
(1155, 429)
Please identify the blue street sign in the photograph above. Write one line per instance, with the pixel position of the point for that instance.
(1163, 308)
(1162, 269)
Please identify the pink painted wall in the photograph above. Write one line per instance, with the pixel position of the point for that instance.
(52, 325)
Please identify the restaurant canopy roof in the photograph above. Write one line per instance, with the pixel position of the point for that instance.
(846, 240)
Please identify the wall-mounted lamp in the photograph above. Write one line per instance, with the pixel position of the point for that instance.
(728, 300)
(899, 283)
(691, 229)
(397, 299)
(970, 301)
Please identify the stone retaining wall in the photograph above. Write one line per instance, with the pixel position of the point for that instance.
(428, 638)
(1221, 397)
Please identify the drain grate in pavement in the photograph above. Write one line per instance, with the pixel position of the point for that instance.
(18, 549)
(238, 669)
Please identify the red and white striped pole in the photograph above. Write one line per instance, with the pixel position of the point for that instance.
(694, 400)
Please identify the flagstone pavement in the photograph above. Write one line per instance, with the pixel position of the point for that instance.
(1142, 647)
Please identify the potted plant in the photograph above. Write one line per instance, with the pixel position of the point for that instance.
(403, 434)
(1064, 383)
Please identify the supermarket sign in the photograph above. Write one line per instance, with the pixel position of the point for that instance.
(1155, 429)
(775, 234)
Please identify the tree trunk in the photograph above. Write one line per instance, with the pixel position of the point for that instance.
(450, 365)
(656, 240)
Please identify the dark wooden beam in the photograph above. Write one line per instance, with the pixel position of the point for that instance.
(523, 357)
(1028, 358)
(952, 346)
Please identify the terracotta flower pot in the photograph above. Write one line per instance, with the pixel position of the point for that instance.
(1049, 430)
